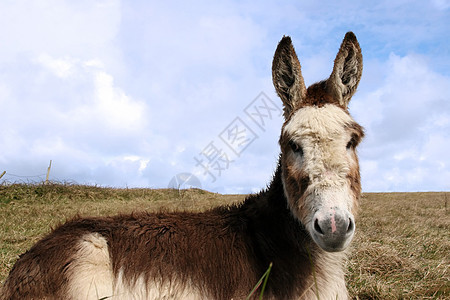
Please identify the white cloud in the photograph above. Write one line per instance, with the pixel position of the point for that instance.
(83, 119)
(60, 67)
(58, 28)
(408, 123)
(127, 93)
(116, 110)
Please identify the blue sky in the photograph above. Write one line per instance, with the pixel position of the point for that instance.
(132, 93)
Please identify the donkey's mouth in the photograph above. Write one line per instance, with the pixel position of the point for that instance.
(332, 231)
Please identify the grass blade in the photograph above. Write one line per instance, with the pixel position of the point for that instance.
(264, 278)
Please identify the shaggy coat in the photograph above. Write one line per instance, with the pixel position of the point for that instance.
(301, 223)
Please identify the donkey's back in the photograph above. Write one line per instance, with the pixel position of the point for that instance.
(140, 256)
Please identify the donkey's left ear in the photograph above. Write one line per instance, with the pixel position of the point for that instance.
(287, 76)
(347, 70)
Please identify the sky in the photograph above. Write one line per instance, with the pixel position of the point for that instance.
(179, 93)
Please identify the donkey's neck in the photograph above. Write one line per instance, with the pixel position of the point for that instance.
(271, 207)
(275, 199)
(279, 238)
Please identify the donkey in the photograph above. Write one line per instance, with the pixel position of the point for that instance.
(301, 223)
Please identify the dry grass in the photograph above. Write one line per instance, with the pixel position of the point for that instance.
(401, 250)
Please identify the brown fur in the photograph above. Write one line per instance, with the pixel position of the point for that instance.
(317, 95)
(354, 174)
(223, 252)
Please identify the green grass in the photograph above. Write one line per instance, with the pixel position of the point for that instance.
(401, 249)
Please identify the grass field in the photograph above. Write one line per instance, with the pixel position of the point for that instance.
(401, 249)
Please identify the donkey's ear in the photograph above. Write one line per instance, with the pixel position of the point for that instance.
(287, 76)
(347, 70)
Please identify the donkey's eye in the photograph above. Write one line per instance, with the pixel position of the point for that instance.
(352, 143)
(296, 148)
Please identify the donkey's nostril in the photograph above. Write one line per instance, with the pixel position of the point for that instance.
(332, 231)
(351, 226)
(317, 227)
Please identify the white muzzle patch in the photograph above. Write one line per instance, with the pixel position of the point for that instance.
(332, 225)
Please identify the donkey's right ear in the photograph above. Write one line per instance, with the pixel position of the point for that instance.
(347, 70)
(287, 76)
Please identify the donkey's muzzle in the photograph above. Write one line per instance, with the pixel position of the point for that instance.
(333, 230)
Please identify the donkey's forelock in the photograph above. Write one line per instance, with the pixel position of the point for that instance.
(319, 163)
